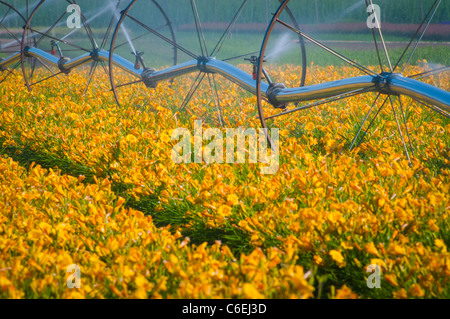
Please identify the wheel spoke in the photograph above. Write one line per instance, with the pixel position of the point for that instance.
(420, 39)
(198, 26)
(323, 46)
(33, 67)
(47, 67)
(89, 32)
(376, 44)
(433, 108)
(162, 37)
(9, 72)
(213, 86)
(47, 78)
(10, 33)
(364, 121)
(406, 125)
(91, 74)
(198, 80)
(415, 35)
(301, 42)
(399, 129)
(129, 83)
(227, 31)
(324, 101)
(430, 73)
(382, 39)
(371, 123)
(28, 9)
(105, 69)
(4, 17)
(87, 28)
(138, 37)
(49, 29)
(240, 56)
(108, 30)
(62, 41)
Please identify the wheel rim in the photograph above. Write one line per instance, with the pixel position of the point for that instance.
(11, 22)
(197, 50)
(122, 39)
(266, 110)
(64, 44)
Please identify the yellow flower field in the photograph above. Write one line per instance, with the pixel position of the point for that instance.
(86, 182)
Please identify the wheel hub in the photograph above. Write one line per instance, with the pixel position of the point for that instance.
(383, 81)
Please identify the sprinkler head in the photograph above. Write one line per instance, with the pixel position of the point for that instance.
(254, 60)
(139, 61)
(53, 50)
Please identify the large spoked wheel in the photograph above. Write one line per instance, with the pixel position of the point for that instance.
(144, 36)
(52, 51)
(11, 23)
(148, 44)
(386, 61)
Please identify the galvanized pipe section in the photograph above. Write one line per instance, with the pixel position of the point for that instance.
(235, 75)
(421, 91)
(120, 62)
(325, 90)
(78, 61)
(390, 84)
(12, 59)
(44, 56)
(174, 71)
(100, 55)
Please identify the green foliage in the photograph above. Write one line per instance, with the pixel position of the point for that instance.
(257, 11)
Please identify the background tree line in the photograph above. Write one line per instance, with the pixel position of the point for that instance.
(259, 11)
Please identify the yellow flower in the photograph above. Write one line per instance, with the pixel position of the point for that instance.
(310, 126)
(140, 293)
(5, 282)
(232, 199)
(433, 226)
(224, 210)
(75, 294)
(416, 291)
(345, 293)
(131, 138)
(379, 262)
(371, 249)
(392, 279)
(338, 258)
(439, 243)
(251, 292)
(34, 234)
(396, 250)
(346, 245)
(140, 281)
(318, 260)
(400, 294)
(165, 138)
(244, 225)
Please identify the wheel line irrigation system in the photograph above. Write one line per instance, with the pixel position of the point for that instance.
(387, 83)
